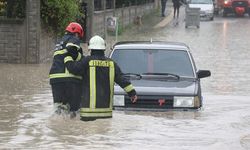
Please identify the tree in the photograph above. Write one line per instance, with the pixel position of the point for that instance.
(57, 14)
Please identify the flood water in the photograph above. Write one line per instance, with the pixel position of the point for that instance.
(222, 46)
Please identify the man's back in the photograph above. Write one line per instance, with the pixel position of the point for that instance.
(99, 76)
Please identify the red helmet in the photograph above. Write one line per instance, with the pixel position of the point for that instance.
(74, 27)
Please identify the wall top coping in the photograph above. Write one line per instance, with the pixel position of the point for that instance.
(4, 20)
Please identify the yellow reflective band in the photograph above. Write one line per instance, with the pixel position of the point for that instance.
(92, 83)
(60, 52)
(129, 88)
(79, 57)
(72, 44)
(68, 58)
(95, 110)
(104, 114)
(67, 71)
(99, 63)
(111, 82)
(63, 75)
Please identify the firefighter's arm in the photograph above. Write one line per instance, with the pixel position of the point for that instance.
(124, 82)
(74, 67)
(73, 51)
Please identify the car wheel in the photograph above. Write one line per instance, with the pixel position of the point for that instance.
(212, 18)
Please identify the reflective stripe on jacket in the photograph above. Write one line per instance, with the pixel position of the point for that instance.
(58, 71)
(101, 89)
(99, 76)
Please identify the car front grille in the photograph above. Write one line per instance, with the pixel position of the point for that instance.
(154, 102)
(240, 4)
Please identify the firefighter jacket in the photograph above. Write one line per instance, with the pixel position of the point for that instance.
(99, 76)
(69, 45)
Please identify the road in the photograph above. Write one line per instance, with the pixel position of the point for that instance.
(222, 46)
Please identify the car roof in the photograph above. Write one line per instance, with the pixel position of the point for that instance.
(151, 45)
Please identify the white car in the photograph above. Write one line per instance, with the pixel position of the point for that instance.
(206, 8)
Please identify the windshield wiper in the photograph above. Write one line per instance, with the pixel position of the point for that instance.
(132, 76)
(160, 76)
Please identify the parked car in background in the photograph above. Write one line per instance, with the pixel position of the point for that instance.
(164, 75)
(206, 8)
(238, 7)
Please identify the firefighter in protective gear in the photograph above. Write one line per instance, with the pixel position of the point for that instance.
(66, 87)
(99, 76)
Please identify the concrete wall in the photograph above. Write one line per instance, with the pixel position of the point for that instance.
(21, 40)
(47, 45)
(32, 31)
(126, 16)
(12, 41)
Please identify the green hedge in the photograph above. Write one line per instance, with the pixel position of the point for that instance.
(57, 14)
(12, 8)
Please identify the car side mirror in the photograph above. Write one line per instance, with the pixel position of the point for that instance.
(203, 73)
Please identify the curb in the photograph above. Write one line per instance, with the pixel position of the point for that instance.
(165, 21)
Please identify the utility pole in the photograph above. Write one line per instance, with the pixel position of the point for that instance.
(90, 15)
(104, 19)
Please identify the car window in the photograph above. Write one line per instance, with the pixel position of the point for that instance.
(154, 61)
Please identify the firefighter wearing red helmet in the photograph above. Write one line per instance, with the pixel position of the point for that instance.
(66, 87)
(74, 27)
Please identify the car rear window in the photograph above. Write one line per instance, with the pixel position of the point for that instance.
(153, 61)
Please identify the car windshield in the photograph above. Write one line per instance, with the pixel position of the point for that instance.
(201, 2)
(140, 61)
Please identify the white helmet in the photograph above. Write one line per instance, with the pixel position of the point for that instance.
(97, 43)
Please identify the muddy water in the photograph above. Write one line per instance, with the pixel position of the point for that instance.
(222, 46)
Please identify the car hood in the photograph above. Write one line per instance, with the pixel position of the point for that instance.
(203, 7)
(145, 87)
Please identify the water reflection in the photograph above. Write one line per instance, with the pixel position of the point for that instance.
(26, 120)
(169, 114)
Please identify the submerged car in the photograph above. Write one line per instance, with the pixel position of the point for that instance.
(206, 8)
(163, 74)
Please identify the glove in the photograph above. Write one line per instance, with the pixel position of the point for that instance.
(133, 99)
(72, 51)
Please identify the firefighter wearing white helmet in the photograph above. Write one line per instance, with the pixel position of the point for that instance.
(99, 75)
(97, 43)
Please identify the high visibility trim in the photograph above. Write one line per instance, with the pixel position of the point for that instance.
(60, 52)
(63, 75)
(68, 58)
(95, 110)
(92, 83)
(72, 44)
(100, 63)
(111, 82)
(79, 56)
(129, 88)
(67, 71)
(94, 114)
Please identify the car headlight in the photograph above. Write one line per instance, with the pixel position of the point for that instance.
(183, 101)
(119, 100)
